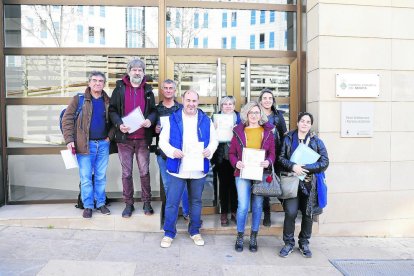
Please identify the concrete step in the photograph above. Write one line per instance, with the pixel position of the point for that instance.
(212, 225)
(67, 216)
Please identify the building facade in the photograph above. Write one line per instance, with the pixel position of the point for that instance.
(296, 48)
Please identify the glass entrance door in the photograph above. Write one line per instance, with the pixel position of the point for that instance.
(241, 77)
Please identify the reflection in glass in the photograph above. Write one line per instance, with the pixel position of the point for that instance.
(254, 1)
(34, 126)
(45, 178)
(69, 26)
(264, 30)
(63, 76)
(272, 76)
(200, 77)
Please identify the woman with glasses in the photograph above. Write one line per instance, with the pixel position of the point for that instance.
(275, 117)
(227, 185)
(256, 133)
(306, 200)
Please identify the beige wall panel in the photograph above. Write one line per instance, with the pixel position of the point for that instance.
(355, 21)
(313, 108)
(382, 119)
(369, 206)
(330, 117)
(402, 3)
(310, 4)
(402, 146)
(313, 23)
(381, 228)
(402, 85)
(355, 2)
(399, 178)
(402, 57)
(375, 149)
(402, 116)
(313, 86)
(358, 177)
(354, 53)
(327, 84)
(402, 23)
(312, 55)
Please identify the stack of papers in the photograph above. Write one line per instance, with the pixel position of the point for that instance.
(251, 159)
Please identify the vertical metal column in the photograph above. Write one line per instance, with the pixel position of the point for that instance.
(247, 84)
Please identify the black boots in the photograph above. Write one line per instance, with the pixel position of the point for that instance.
(239, 242)
(253, 242)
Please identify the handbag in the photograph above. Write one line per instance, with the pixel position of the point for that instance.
(269, 186)
(290, 184)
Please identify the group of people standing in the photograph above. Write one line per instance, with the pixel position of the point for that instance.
(259, 125)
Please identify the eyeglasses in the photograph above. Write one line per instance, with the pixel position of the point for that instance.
(254, 113)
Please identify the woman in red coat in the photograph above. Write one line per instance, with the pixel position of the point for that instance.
(253, 132)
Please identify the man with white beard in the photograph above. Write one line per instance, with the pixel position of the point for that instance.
(130, 93)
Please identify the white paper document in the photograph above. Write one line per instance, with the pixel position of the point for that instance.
(251, 159)
(224, 127)
(164, 120)
(134, 120)
(193, 159)
(69, 159)
(304, 155)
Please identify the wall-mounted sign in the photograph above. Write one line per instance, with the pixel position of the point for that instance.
(357, 85)
(357, 119)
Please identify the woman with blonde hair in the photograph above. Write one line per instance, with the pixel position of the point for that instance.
(223, 168)
(256, 133)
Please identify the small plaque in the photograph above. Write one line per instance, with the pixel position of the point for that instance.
(357, 85)
(357, 119)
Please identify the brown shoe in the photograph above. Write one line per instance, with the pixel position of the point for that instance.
(224, 220)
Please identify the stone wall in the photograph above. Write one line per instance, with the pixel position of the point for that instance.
(371, 191)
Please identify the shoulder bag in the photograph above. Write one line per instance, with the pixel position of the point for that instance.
(269, 186)
(290, 184)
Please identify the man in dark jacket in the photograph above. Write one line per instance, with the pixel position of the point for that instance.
(130, 93)
(164, 109)
(88, 136)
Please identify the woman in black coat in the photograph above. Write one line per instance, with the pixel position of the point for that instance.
(306, 200)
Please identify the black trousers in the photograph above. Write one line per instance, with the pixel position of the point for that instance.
(291, 207)
(227, 187)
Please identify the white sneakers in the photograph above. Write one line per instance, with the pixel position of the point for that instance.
(198, 240)
(166, 242)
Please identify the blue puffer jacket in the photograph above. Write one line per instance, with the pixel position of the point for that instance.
(176, 137)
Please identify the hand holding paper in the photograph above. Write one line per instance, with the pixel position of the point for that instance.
(133, 120)
(252, 159)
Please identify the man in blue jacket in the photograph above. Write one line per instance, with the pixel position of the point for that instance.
(188, 126)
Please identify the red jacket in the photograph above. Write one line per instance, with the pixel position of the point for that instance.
(236, 149)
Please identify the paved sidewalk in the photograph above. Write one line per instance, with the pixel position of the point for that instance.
(43, 251)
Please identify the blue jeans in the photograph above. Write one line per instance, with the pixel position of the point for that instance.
(166, 181)
(175, 191)
(95, 162)
(244, 187)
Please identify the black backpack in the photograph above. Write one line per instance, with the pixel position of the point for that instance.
(81, 97)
